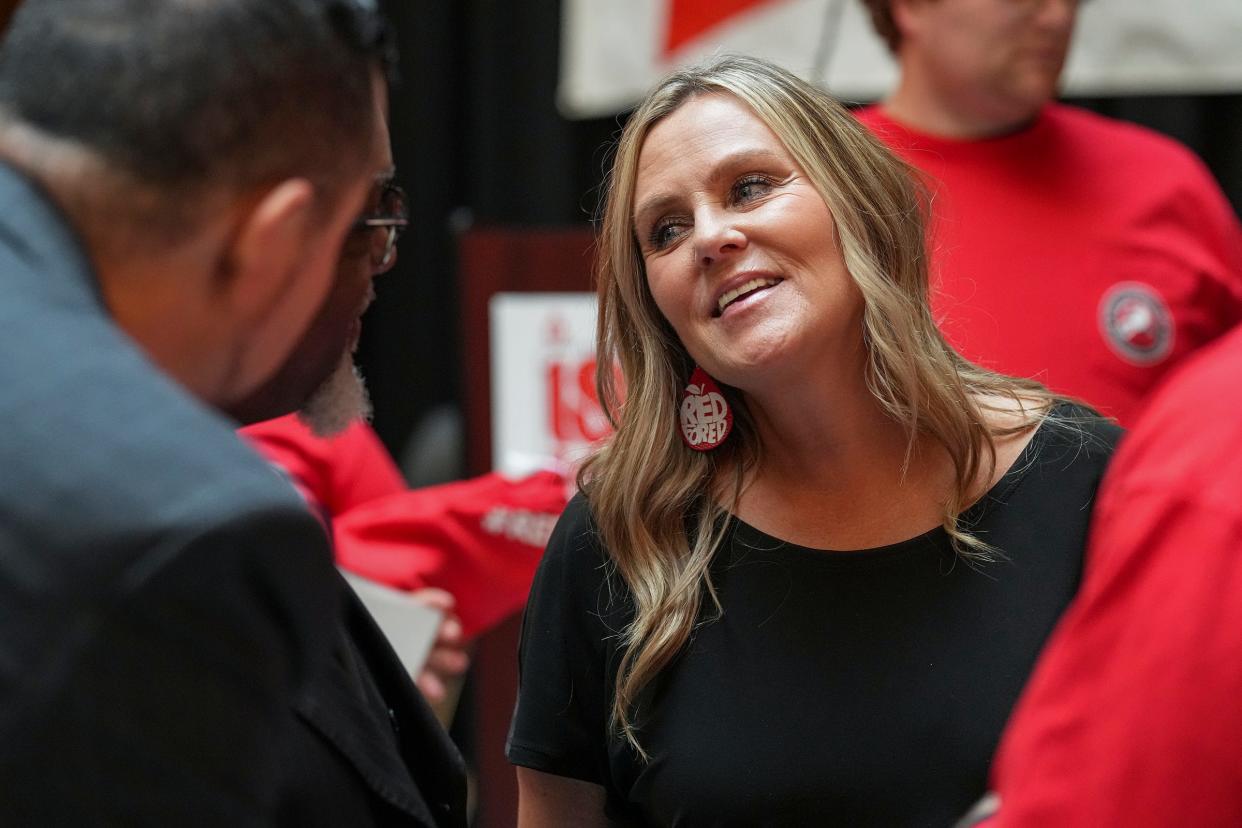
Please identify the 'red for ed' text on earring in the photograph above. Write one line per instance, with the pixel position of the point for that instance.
(704, 413)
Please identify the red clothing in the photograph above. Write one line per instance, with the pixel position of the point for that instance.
(336, 474)
(478, 539)
(1088, 253)
(1133, 716)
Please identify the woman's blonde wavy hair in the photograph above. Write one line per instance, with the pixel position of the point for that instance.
(661, 508)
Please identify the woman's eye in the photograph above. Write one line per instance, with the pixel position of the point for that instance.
(664, 233)
(750, 188)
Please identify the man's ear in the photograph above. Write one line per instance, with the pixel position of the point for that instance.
(906, 16)
(267, 246)
(273, 278)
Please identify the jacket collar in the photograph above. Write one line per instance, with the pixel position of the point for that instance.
(394, 742)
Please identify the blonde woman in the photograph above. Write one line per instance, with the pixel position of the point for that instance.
(809, 573)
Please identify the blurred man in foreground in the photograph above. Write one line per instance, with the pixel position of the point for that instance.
(1088, 253)
(178, 182)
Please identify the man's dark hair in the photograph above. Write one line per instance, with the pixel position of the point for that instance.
(184, 93)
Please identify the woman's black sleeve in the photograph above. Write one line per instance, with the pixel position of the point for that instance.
(560, 724)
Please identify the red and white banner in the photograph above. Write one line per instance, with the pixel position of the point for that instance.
(545, 412)
(612, 51)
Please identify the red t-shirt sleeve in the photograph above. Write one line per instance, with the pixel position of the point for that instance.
(338, 473)
(480, 539)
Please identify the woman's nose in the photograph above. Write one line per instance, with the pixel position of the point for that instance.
(716, 236)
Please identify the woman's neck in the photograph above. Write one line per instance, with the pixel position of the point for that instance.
(837, 471)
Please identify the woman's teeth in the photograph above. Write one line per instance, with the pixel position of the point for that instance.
(729, 296)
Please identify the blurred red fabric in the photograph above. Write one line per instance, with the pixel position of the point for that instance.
(479, 539)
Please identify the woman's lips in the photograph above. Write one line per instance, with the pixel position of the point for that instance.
(742, 291)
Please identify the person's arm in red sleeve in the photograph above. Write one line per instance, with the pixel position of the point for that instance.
(1133, 716)
(338, 473)
(478, 539)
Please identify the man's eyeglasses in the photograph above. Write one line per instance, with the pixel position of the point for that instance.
(382, 228)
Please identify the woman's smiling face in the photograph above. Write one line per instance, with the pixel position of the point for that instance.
(740, 250)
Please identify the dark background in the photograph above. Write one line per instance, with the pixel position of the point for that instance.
(479, 142)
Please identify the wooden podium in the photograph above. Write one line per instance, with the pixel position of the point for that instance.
(490, 261)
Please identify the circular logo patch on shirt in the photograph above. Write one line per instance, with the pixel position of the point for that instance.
(1136, 323)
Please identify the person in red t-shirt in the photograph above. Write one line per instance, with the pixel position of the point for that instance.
(1088, 253)
(1132, 716)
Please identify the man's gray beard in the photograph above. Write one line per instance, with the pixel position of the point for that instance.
(341, 399)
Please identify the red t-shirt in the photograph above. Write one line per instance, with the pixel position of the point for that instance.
(1088, 253)
(479, 539)
(1133, 716)
(335, 474)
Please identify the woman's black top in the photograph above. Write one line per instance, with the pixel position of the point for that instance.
(837, 688)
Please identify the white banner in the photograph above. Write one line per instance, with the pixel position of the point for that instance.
(612, 51)
(544, 407)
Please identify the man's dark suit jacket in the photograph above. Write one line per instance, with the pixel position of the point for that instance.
(175, 645)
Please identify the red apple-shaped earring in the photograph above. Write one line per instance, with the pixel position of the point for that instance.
(704, 413)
